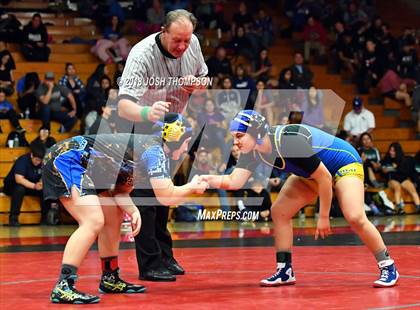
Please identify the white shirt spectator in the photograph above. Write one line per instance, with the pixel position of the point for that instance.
(358, 123)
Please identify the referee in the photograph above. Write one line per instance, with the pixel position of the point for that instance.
(161, 72)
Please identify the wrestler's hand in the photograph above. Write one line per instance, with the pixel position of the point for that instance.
(199, 186)
(135, 222)
(158, 110)
(323, 228)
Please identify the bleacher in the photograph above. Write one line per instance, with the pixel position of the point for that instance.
(392, 120)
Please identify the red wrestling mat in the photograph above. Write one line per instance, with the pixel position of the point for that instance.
(226, 278)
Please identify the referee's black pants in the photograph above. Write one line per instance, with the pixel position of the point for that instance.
(154, 242)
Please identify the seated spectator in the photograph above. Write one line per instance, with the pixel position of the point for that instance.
(52, 98)
(392, 86)
(359, 120)
(313, 108)
(263, 102)
(94, 79)
(8, 112)
(118, 73)
(219, 65)
(113, 47)
(354, 15)
(35, 39)
(10, 29)
(228, 100)
(155, 18)
(315, 37)
(213, 120)
(407, 62)
(6, 74)
(76, 86)
(372, 67)
(104, 122)
(286, 79)
(371, 159)
(242, 81)
(98, 96)
(242, 18)
(262, 67)
(388, 43)
(347, 54)
(301, 75)
(45, 138)
(241, 45)
(25, 179)
(400, 173)
(26, 88)
(264, 28)
(10, 64)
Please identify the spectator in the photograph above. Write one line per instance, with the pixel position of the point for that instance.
(76, 86)
(392, 86)
(315, 37)
(94, 79)
(241, 45)
(6, 77)
(118, 73)
(354, 15)
(10, 64)
(372, 67)
(155, 17)
(45, 138)
(10, 29)
(263, 102)
(113, 47)
(25, 179)
(8, 112)
(408, 37)
(26, 88)
(262, 67)
(301, 75)
(371, 159)
(313, 108)
(264, 27)
(242, 81)
(176, 4)
(286, 79)
(242, 18)
(213, 120)
(407, 62)
(388, 43)
(347, 54)
(35, 39)
(359, 120)
(97, 96)
(400, 173)
(103, 122)
(228, 100)
(375, 31)
(52, 98)
(219, 65)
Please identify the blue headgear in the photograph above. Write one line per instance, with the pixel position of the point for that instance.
(251, 122)
(174, 130)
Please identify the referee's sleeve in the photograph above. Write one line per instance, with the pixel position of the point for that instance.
(133, 82)
(202, 69)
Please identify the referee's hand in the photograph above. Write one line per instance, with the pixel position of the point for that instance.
(158, 110)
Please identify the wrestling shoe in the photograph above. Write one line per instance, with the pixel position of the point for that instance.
(283, 276)
(111, 283)
(389, 274)
(65, 292)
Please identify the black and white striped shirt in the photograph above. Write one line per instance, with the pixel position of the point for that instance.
(151, 74)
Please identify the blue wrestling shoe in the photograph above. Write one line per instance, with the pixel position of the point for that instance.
(283, 276)
(65, 293)
(389, 274)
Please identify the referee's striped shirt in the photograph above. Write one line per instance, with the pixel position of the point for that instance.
(152, 74)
